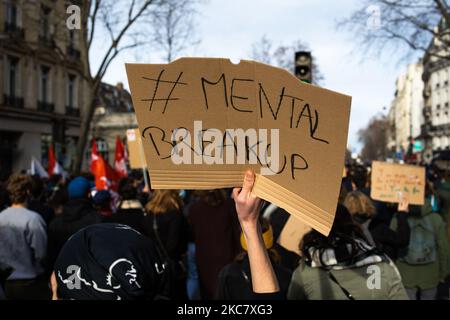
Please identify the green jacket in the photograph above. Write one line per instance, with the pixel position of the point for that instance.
(444, 196)
(316, 284)
(427, 276)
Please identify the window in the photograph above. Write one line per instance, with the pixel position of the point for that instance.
(446, 83)
(11, 76)
(71, 91)
(44, 30)
(446, 104)
(46, 140)
(11, 14)
(437, 85)
(44, 84)
(71, 38)
(438, 106)
(102, 148)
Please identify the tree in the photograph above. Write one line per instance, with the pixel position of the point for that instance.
(401, 24)
(174, 27)
(283, 56)
(374, 139)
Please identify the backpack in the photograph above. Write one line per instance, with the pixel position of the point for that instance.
(422, 242)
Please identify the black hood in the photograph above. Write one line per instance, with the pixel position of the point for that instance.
(76, 209)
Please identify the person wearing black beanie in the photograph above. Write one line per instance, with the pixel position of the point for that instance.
(109, 262)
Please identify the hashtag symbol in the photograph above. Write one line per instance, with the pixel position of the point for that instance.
(158, 81)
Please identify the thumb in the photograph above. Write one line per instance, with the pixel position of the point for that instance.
(249, 179)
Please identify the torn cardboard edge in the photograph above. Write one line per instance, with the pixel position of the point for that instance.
(152, 86)
(263, 188)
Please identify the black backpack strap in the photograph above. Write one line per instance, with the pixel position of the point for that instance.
(345, 291)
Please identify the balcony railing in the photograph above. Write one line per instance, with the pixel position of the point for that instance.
(46, 40)
(14, 31)
(45, 106)
(13, 101)
(71, 111)
(73, 53)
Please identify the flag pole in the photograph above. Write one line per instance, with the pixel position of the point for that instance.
(144, 169)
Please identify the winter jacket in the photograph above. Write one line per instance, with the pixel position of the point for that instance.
(444, 197)
(23, 243)
(77, 214)
(310, 283)
(346, 270)
(426, 276)
(235, 281)
(386, 239)
(216, 233)
(130, 213)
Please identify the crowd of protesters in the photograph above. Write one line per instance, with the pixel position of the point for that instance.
(63, 239)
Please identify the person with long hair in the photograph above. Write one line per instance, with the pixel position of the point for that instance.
(362, 210)
(166, 223)
(376, 225)
(343, 265)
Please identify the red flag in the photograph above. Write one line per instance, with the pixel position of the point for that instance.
(94, 156)
(119, 159)
(105, 176)
(51, 160)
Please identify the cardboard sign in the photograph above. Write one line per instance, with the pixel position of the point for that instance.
(135, 149)
(292, 234)
(391, 182)
(204, 121)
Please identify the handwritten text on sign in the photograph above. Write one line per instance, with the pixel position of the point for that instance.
(392, 182)
(204, 121)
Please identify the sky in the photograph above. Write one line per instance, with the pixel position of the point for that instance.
(228, 29)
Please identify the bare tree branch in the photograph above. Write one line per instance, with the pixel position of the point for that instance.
(411, 23)
(93, 17)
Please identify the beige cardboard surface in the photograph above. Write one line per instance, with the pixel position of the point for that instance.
(312, 124)
(293, 233)
(392, 181)
(135, 150)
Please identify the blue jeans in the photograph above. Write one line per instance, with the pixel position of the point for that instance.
(192, 283)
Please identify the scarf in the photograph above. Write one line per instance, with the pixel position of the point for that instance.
(344, 255)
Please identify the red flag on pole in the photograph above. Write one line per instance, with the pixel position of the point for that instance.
(120, 158)
(94, 156)
(51, 160)
(105, 176)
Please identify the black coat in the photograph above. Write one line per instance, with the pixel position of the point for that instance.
(132, 217)
(172, 231)
(386, 239)
(77, 214)
(235, 281)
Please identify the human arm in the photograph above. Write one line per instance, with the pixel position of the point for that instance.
(248, 207)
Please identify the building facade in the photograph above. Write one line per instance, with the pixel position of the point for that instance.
(112, 117)
(436, 77)
(405, 113)
(41, 83)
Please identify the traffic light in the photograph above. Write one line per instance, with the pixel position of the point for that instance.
(303, 66)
